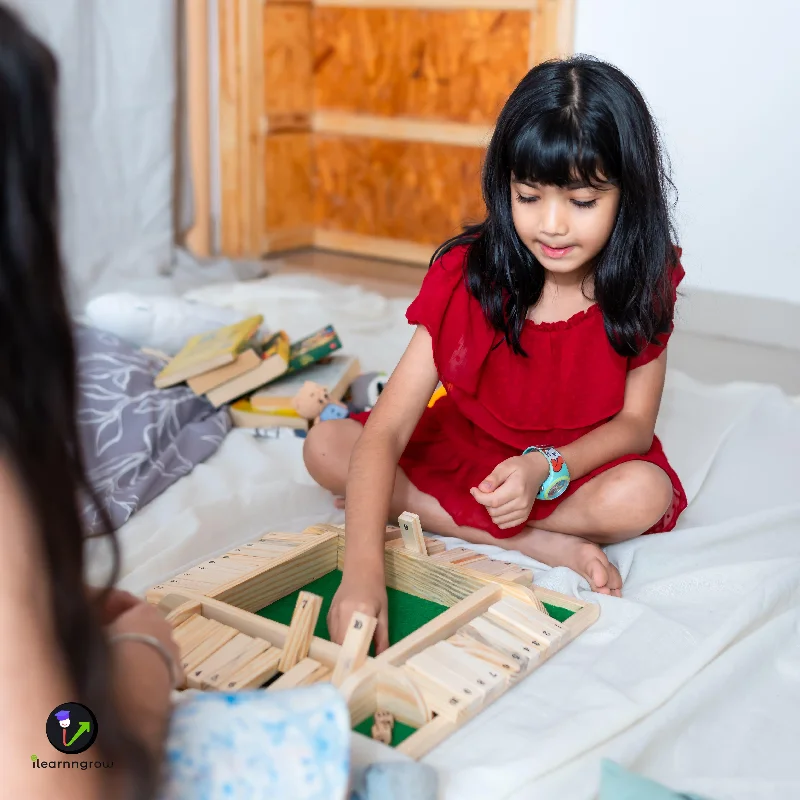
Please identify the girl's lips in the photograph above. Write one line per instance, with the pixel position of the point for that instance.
(555, 252)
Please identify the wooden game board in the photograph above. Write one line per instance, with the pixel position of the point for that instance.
(495, 628)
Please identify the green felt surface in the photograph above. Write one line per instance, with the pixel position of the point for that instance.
(557, 613)
(400, 732)
(407, 613)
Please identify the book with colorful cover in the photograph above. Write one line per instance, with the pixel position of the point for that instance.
(243, 415)
(335, 373)
(314, 348)
(208, 351)
(274, 359)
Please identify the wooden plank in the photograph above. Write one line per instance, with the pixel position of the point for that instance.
(511, 667)
(241, 111)
(284, 576)
(301, 629)
(346, 123)
(254, 673)
(426, 738)
(216, 661)
(303, 673)
(446, 624)
(492, 681)
(262, 628)
(355, 646)
(220, 678)
(198, 238)
(485, 632)
(445, 690)
(552, 30)
(511, 618)
(411, 531)
(382, 247)
(215, 639)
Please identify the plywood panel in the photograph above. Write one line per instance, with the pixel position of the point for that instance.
(415, 191)
(241, 91)
(288, 181)
(287, 58)
(452, 65)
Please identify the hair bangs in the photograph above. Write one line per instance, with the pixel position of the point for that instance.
(552, 150)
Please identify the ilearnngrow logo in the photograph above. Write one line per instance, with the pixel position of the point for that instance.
(37, 764)
(72, 729)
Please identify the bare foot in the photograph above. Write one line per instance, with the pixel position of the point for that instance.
(582, 556)
(338, 501)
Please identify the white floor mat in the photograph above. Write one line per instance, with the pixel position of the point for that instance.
(692, 678)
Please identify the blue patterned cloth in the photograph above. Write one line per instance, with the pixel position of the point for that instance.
(291, 745)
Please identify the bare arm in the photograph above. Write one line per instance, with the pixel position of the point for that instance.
(33, 679)
(630, 431)
(370, 479)
(370, 483)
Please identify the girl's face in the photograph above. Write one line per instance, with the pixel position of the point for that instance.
(565, 228)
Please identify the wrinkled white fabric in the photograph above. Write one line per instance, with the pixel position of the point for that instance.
(692, 678)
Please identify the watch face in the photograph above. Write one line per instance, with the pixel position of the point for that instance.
(557, 488)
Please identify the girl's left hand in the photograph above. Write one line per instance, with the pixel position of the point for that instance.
(510, 491)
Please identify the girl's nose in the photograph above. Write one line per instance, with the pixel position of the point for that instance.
(554, 220)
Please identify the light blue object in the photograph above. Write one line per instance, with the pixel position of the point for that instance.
(291, 745)
(397, 781)
(617, 783)
(333, 411)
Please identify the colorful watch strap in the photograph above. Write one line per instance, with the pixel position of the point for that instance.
(558, 480)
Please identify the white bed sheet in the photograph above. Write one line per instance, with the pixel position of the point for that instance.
(692, 678)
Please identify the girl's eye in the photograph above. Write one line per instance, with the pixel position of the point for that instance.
(585, 203)
(522, 198)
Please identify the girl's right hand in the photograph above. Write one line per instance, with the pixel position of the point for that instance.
(367, 596)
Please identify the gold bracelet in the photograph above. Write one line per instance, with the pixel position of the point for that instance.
(174, 675)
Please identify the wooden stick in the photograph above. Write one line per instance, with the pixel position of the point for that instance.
(255, 673)
(355, 646)
(217, 680)
(301, 630)
(301, 674)
(217, 660)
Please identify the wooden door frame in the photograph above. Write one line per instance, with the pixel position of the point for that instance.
(243, 124)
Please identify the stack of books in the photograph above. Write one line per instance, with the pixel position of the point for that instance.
(260, 375)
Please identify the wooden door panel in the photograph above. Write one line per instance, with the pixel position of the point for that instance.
(438, 65)
(411, 191)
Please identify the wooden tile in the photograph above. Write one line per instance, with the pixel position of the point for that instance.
(301, 629)
(355, 646)
(219, 679)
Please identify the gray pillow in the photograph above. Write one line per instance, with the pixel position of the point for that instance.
(137, 440)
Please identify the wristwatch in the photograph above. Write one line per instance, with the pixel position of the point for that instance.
(558, 480)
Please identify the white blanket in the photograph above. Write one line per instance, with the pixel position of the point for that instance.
(692, 678)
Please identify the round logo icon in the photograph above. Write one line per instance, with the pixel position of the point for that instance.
(71, 728)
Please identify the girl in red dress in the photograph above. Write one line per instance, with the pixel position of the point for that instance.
(547, 324)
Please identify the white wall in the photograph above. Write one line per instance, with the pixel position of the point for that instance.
(723, 80)
(117, 92)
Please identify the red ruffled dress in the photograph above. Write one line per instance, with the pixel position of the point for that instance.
(499, 403)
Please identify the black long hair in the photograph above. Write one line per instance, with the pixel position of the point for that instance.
(38, 434)
(577, 119)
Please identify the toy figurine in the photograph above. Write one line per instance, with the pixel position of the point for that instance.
(364, 390)
(314, 403)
